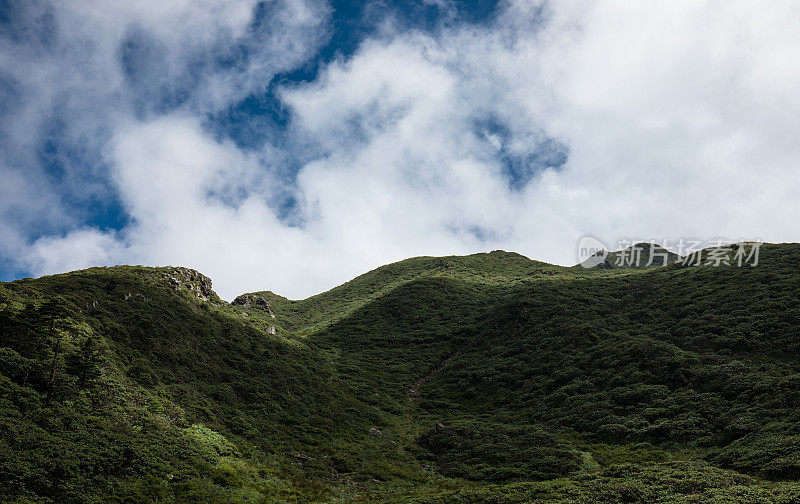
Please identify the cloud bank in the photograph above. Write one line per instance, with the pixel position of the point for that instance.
(524, 132)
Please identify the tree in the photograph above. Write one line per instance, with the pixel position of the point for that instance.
(83, 363)
(56, 324)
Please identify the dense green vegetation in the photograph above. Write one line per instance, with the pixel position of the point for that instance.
(485, 378)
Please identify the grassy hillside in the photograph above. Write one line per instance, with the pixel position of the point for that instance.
(484, 378)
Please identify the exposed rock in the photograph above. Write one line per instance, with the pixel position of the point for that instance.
(196, 283)
(253, 301)
(375, 432)
(271, 329)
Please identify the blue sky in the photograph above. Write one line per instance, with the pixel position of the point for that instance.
(289, 145)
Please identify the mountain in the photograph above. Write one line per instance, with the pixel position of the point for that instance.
(482, 378)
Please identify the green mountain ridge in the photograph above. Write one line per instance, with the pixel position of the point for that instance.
(482, 378)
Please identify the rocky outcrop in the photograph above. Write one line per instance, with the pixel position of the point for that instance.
(190, 280)
(253, 301)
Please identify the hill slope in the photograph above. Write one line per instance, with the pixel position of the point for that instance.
(484, 378)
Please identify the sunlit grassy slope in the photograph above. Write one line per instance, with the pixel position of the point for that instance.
(484, 378)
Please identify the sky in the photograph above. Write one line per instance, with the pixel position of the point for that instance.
(290, 145)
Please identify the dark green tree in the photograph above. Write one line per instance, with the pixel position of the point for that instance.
(55, 325)
(84, 362)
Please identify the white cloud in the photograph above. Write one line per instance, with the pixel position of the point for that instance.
(78, 249)
(681, 120)
(666, 126)
(62, 75)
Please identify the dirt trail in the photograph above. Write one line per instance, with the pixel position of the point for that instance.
(413, 392)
